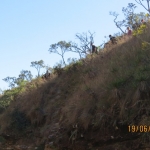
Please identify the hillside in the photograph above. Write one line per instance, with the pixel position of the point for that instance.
(91, 105)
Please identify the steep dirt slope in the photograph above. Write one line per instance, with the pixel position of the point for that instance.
(92, 104)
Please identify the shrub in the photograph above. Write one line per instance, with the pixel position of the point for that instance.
(58, 70)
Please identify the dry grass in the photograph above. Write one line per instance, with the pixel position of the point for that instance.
(105, 90)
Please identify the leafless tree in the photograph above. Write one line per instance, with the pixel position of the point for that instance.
(84, 47)
(119, 24)
(145, 7)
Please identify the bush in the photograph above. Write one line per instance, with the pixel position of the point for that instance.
(58, 70)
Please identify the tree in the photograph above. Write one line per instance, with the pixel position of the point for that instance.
(71, 60)
(38, 65)
(141, 3)
(57, 69)
(119, 24)
(60, 48)
(85, 40)
(11, 81)
(130, 17)
(25, 75)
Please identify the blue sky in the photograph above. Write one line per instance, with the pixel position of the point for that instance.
(29, 27)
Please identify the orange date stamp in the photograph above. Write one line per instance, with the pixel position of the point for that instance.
(141, 128)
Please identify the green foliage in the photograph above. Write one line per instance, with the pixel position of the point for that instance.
(71, 60)
(58, 69)
(130, 17)
(139, 30)
(7, 97)
(73, 66)
(38, 65)
(77, 64)
(80, 63)
(60, 48)
(145, 45)
(10, 95)
(136, 18)
(147, 15)
(25, 75)
(11, 81)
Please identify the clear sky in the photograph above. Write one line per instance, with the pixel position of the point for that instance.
(29, 27)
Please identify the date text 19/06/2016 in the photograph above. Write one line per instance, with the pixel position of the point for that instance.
(141, 128)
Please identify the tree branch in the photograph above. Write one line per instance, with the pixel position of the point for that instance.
(143, 5)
